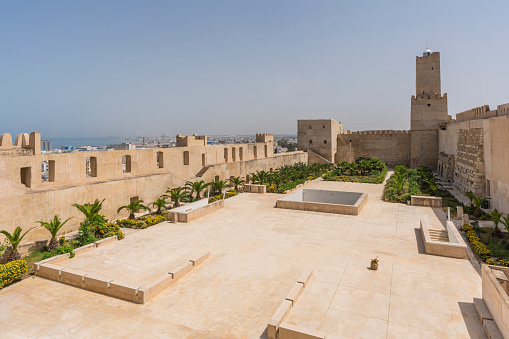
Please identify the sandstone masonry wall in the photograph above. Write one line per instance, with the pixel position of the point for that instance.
(392, 147)
(469, 172)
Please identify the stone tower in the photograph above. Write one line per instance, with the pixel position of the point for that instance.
(428, 111)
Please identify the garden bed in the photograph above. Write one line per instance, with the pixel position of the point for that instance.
(372, 171)
(491, 246)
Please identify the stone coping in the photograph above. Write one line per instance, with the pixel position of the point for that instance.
(275, 327)
(496, 298)
(454, 248)
(117, 288)
(195, 213)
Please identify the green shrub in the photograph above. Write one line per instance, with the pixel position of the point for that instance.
(86, 234)
(129, 223)
(11, 271)
(155, 220)
(108, 229)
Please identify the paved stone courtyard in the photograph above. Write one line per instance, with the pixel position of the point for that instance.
(257, 254)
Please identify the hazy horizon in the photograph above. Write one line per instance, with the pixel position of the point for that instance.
(125, 68)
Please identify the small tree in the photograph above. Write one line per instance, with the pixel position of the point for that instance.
(14, 239)
(53, 227)
(133, 207)
(176, 194)
(197, 187)
(160, 204)
(219, 186)
(237, 182)
(470, 195)
(478, 202)
(496, 216)
(91, 211)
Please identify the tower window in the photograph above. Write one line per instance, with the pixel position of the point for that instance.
(309, 127)
(429, 105)
(431, 68)
(310, 141)
(323, 126)
(325, 142)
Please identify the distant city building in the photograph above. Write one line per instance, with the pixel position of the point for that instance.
(122, 147)
(46, 145)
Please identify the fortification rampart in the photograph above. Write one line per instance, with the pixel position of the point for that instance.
(392, 147)
(24, 144)
(117, 176)
(483, 112)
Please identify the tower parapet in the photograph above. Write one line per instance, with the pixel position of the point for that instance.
(24, 144)
(191, 141)
(264, 137)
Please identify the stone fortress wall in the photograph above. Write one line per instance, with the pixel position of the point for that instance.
(477, 144)
(471, 151)
(375, 144)
(117, 176)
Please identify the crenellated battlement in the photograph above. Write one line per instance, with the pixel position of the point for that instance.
(482, 112)
(380, 132)
(30, 141)
(189, 141)
(264, 137)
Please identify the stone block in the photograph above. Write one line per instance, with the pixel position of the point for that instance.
(180, 271)
(289, 331)
(295, 293)
(105, 241)
(198, 259)
(96, 284)
(305, 277)
(50, 271)
(147, 292)
(278, 317)
(123, 291)
(53, 260)
(72, 277)
(482, 309)
(84, 249)
(491, 329)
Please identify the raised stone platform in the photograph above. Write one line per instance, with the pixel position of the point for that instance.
(324, 201)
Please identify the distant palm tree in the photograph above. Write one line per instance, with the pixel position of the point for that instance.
(133, 207)
(197, 187)
(478, 202)
(176, 194)
(91, 211)
(53, 227)
(505, 222)
(470, 195)
(160, 204)
(219, 186)
(14, 239)
(237, 182)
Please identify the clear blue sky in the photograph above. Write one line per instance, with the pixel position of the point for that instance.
(100, 68)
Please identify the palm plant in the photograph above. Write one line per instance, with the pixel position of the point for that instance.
(14, 239)
(505, 222)
(160, 204)
(91, 211)
(53, 227)
(237, 182)
(133, 207)
(262, 177)
(277, 180)
(219, 186)
(176, 194)
(478, 202)
(197, 187)
(496, 217)
(364, 166)
(470, 195)
(253, 177)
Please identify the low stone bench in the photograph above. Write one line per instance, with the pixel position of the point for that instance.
(417, 200)
(252, 188)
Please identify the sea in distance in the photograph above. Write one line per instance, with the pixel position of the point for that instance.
(58, 143)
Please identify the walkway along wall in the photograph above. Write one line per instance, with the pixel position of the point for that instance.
(146, 179)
